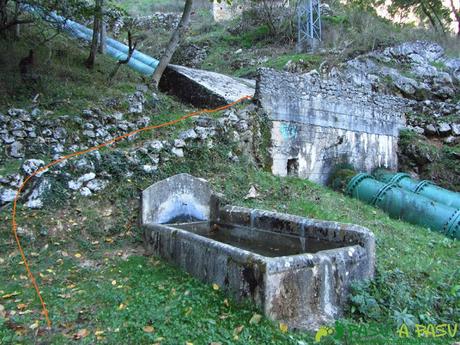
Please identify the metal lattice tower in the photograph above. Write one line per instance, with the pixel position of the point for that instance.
(308, 24)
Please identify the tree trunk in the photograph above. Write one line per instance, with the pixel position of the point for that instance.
(429, 16)
(3, 13)
(96, 29)
(457, 15)
(103, 33)
(173, 43)
(103, 36)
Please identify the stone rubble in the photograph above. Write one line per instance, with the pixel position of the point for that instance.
(92, 173)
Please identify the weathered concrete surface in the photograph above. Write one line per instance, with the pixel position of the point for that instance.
(303, 290)
(319, 123)
(180, 196)
(204, 88)
(222, 11)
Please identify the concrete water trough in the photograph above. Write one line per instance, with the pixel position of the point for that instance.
(296, 270)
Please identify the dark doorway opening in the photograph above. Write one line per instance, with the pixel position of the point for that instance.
(293, 167)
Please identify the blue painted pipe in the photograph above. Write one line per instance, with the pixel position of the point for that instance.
(110, 42)
(119, 51)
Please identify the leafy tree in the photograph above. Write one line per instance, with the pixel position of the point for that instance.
(432, 10)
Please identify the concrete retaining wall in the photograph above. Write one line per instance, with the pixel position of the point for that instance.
(317, 123)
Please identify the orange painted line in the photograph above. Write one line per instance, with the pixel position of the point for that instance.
(94, 148)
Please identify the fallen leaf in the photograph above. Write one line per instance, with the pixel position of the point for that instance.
(283, 327)
(223, 316)
(109, 240)
(255, 319)
(9, 295)
(34, 325)
(21, 306)
(238, 330)
(252, 193)
(114, 282)
(148, 329)
(226, 303)
(159, 339)
(64, 295)
(77, 255)
(81, 334)
(215, 286)
(188, 343)
(2, 261)
(99, 333)
(122, 306)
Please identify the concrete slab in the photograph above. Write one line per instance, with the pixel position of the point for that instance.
(204, 88)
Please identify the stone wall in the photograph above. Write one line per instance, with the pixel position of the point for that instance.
(318, 123)
(223, 11)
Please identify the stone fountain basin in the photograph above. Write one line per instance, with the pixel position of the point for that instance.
(297, 270)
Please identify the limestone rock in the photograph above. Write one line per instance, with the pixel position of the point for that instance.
(32, 165)
(6, 195)
(188, 134)
(35, 199)
(96, 185)
(74, 185)
(85, 191)
(179, 152)
(444, 128)
(136, 103)
(87, 177)
(16, 150)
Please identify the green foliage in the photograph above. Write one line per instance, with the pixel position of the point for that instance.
(390, 295)
(432, 162)
(340, 176)
(433, 11)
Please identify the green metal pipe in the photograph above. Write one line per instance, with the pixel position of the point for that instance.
(406, 205)
(425, 188)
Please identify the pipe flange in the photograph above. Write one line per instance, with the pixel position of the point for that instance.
(421, 185)
(355, 181)
(381, 193)
(452, 225)
(398, 177)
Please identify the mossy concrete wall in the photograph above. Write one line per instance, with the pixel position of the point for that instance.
(318, 123)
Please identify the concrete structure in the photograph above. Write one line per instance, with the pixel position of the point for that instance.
(317, 124)
(297, 270)
(222, 11)
(204, 88)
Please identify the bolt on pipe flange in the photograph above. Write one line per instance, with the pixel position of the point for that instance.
(356, 181)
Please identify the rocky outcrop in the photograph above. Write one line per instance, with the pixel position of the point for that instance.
(416, 70)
